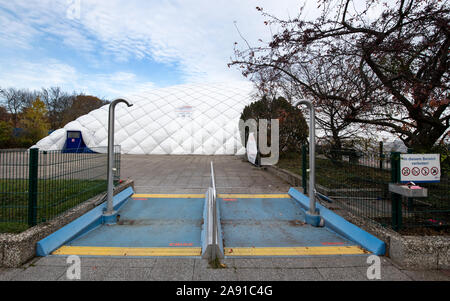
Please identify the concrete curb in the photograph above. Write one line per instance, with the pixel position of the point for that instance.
(342, 226)
(17, 249)
(411, 252)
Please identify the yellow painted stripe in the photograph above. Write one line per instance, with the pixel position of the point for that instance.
(168, 196)
(224, 196)
(295, 251)
(115, 251)
(253, 196)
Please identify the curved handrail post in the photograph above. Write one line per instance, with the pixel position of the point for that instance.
(110, 214)
(311, 216)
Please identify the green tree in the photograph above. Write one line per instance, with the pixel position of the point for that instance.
(293, 127)
(34, 121)
(5, 134)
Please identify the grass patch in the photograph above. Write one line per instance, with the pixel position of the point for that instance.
(12, 227)
(216, 264)
(338, 174)
(54, 198)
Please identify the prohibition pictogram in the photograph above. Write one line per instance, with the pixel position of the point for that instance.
(434, 171)
(415, 171)
(425, 171)
(405, 171)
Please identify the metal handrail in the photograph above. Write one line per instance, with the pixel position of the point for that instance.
(214, 212)
(213, 180)
(214, 248)
(312, 155)
(110, 163)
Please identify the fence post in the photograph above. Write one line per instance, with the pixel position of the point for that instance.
(410, 200)
(381, 155)
(304, 184)
(33, 186)
(396, 199)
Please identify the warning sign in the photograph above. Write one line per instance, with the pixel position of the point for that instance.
(420, 168)
(434, 171)
(405, 171)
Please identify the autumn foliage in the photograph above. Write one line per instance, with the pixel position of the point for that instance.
(383, 66)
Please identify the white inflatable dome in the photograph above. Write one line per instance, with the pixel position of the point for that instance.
(185, 119)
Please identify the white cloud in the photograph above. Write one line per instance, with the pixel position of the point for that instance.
(24, 74)
(52, 73)
(15, 33)
(196, 35)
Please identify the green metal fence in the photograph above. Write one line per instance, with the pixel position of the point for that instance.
(359, 182)
(37, 186)
(356, 181)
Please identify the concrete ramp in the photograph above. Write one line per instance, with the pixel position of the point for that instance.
(261, 225)
(149, 225)
(274, 225)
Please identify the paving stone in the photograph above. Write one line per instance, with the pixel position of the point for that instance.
(209, 274)
(9, 274)
(260, 274)
(343, 274)
(172, 272)
(175, 262)
(345, 261)
(427, 275)
(152, 174)
(118, 262)
(129, 274)
(294, 262)
(388, 273)
(253, 263)
(204, 264)
(52, 261)
(89, 273)
(40, 273)
(306, 274)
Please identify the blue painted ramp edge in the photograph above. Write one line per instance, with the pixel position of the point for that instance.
(342, 226)
(84, 223)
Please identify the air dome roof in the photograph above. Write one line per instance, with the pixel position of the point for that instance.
(186, 119)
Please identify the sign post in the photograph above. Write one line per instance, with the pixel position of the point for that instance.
(411, 168)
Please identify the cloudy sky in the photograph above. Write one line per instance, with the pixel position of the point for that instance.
(115, 47)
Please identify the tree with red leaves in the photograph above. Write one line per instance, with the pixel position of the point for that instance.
(383, 65)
